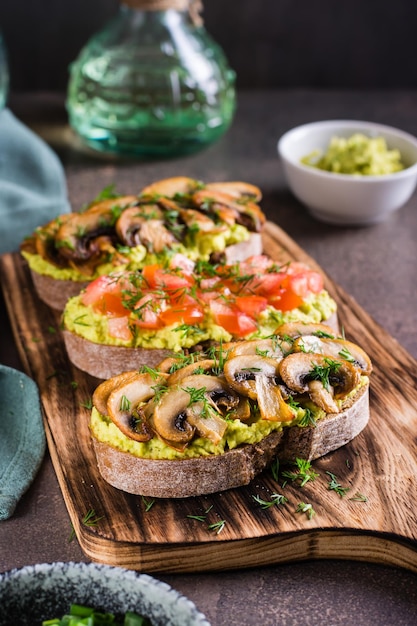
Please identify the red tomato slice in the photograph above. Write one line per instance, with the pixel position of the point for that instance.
(231, 319)
(184, 314)
(104, 294)
(119, 327)
(251, 305)
(315, 282)
(157, 277)
(287, 300)
(148, 310)
(268, 284)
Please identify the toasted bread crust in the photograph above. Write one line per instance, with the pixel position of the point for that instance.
(235, 468)
(55, 293)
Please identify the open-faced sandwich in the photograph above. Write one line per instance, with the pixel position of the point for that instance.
(206, 422)
(124, 320)
(202, 221)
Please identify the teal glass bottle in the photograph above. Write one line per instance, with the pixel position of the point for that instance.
(153, 83)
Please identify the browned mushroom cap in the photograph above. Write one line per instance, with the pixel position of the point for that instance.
(241, 372)
(42, 241)
(197, 367)
(196, 219)
(130, 222)
(258, 378)
(170, 186)
(228, 208)
(319, 375)
(237, 189)
(194, 405)
(123, 401)
(336, 348)
(299, 329)
(74, 236)
(102, 392)
(272, 348)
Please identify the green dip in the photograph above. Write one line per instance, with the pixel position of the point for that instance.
(356, 155)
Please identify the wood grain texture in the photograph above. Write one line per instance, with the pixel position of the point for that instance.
(380, 463)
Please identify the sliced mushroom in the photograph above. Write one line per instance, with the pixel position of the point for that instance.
(299, 329)
(237, 189)
(129, 224)
(229, 208)
(337, 348)
(198, 367)
(74, 236)
(170, 186)
(258, 378)
(319, 375)
(272, 348)
(241, 372)
(102, 392)
(44, 240)
(123, 401)
(192, 406)
(201, 222)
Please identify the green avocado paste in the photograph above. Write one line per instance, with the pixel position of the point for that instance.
(356, 155)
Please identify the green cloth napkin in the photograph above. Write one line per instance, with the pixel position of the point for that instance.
(22, 437)
(32, 182)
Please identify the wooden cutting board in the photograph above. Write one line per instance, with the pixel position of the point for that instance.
(375, 521)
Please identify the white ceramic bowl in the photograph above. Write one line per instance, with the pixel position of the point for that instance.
(343, 198)
(45, 591)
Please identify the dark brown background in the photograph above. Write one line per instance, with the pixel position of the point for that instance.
(270, 43)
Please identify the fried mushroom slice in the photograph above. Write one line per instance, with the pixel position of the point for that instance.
(336, 348)
(124, 404)
(170, 186)
(74, 236)
(131, 221)
(102, 392)
(272, 348)
(195, 405)
(228, 208)
(299, 329)
(321, 376)
(198, 367)
(257, 377)
(237, 189)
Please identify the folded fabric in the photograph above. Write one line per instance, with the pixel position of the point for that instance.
(22, 437)
(32, 182)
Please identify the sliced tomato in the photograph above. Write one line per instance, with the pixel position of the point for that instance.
(251, 305)
(287, 300)
(268, 284)
(157, 277)
(119, 327)
(315, 282)
(190, 314)
(104, 294)
(231, 319)
(148, 310)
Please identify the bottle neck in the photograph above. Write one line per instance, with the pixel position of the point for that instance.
(193, 7)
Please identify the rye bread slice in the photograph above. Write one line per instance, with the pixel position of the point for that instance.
(54, 292)
(235, 468)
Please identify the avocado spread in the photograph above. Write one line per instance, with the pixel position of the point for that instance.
(83, 321)
(356, 155)
(237, 433)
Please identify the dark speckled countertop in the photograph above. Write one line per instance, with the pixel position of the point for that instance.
(376, 265)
